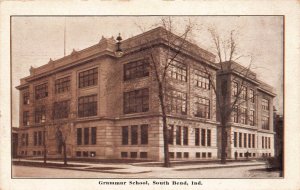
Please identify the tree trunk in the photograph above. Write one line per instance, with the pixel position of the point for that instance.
(224, 119)
(45, 154)
(45, 148)
(223, 143)
(65, 153)
(165, 127)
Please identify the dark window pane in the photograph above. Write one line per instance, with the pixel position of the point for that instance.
(178, 135)
(144, 134)
(171, 134)
(88, 78)
(87, 106)
(86, 135)
(125, 135)
(62, 85)
(41, 91)
(136, 69)
(185, 136)
(79, 136)
(209, 137)
(134, 134)
(136, 101)
(94, 135)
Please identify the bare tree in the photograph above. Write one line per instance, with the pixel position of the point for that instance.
(160, 59)
(227, 51)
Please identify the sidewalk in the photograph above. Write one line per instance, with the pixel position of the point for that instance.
(136, 168)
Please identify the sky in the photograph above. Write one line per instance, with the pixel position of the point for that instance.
(37, 39)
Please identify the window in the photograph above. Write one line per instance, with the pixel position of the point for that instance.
(26, 139)
(62, 85)
(263, 142)
(171, 154)
(209, 154)
(133, 154)
(202, 79)
(41, 91)
(136, 101)
(240, 139)
(241, 155)
(197, 154)
(35, 138)
(253, 140)
(235, 139)
(136, 69)
(203, 139)
(26, 97)
(40, 138)
(124, 154)
(134, 134)
(235, 89)
(143, 155)
(266, 141)
(269, 142)
(26, 118)
(79, 136)
(265, 122)
(85, 154)
(243, 115)
(92, 154)
(197, 136)
(245, 140)
(78, 153)
(125, 135)
(209, 137)
(87, 106)
(249, 140)
(40, 114)
(251, 117)
(86, 136)
(178, 155)
(265, 104)
(23, 143)
(203, 154)
(176, 102)
(144, 134)
(94, 135)
(226, 139)
(88, 78)
(244, 93)
(178, 71)
(61, 109)
(186, 155)
(203, 108)
(234, 113)
(185, 136)
(251, 95)
(178, 135)
(171, 134)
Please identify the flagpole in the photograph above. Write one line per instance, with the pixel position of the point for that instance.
(65, 37)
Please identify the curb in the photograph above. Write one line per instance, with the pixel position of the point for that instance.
(89, 170)
(216, 167)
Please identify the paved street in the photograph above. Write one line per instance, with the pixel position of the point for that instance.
(153, 172)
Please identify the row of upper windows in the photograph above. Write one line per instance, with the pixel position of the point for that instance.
(176, 70)
(136, 101)
(245, 94)
(86, 78)
(132, 70)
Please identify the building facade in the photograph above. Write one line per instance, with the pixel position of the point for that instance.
(106, 106)
(250, 130)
